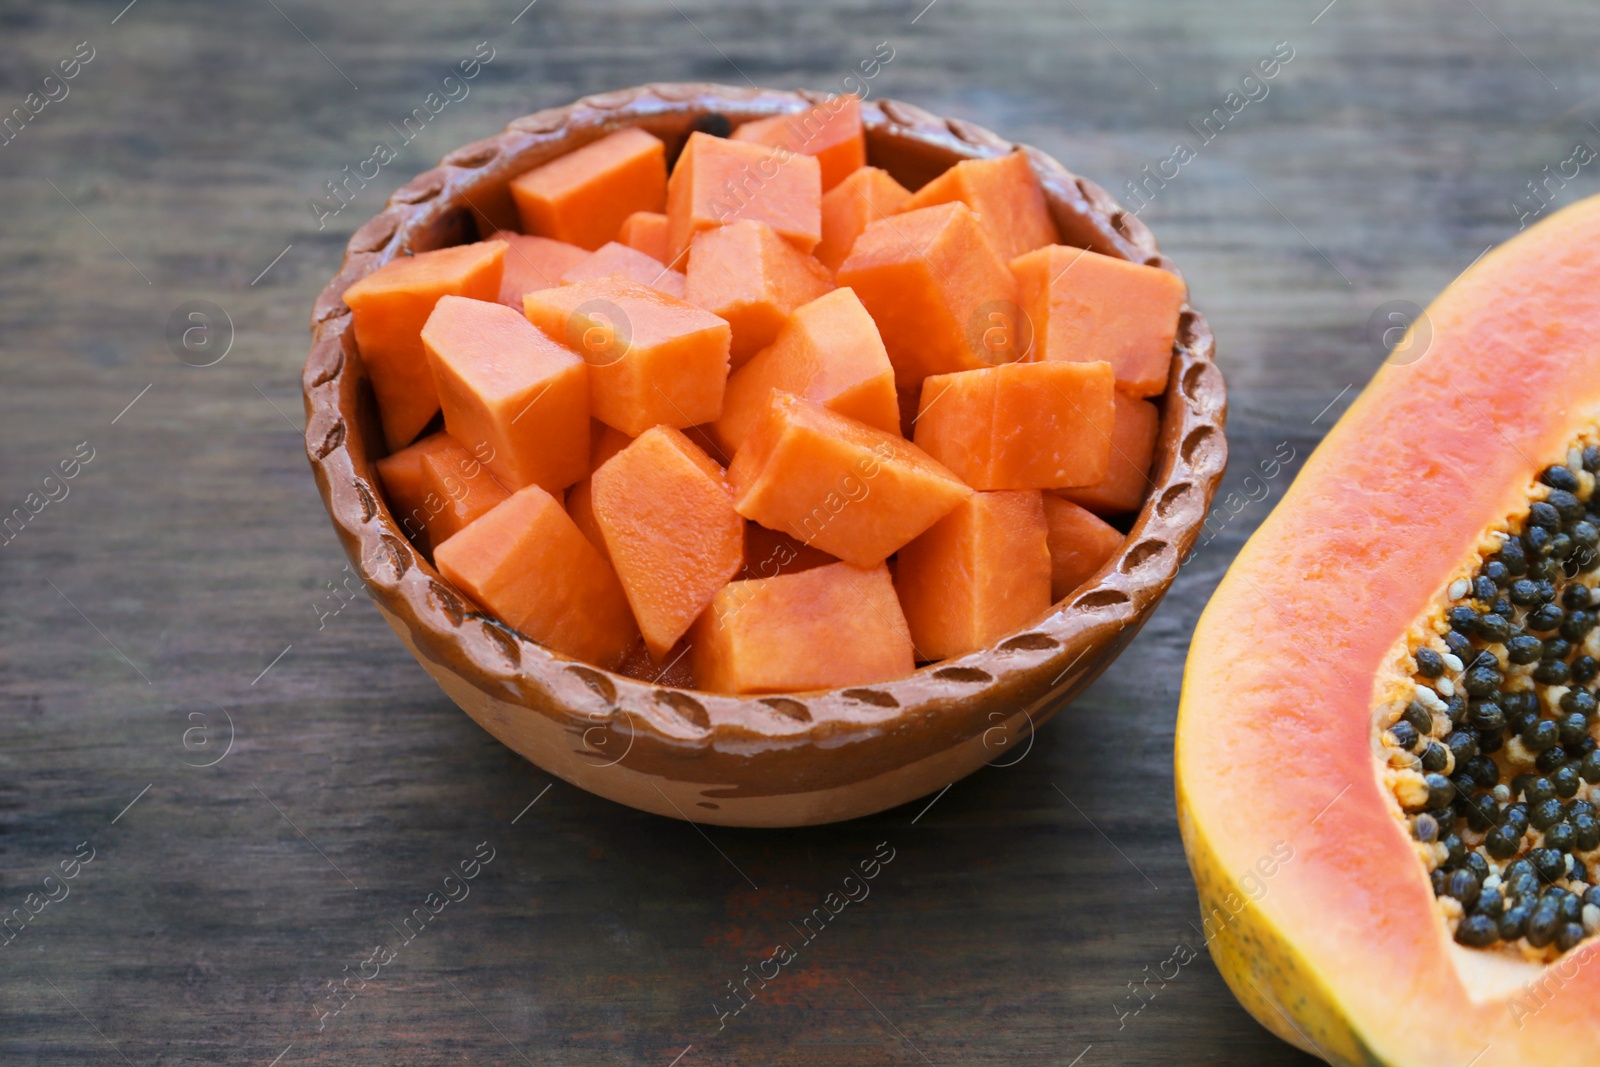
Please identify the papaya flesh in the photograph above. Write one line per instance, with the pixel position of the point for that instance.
(584, 197)
(1358, 631)
(826, 627)
(533, 263)
(388, 308)
(841, 486)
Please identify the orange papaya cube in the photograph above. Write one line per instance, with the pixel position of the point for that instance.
(504, 384)
(769, 553)
(1084, 307)
(823, 628)
(525, 562)
(646, 231)
(979, 573)
(583, 197)
(388, 308)
(400, 475)
(1021, 425)
(933, 282)
(1005, 195)
(614, 258)
(1133, 446)
(533, 263)
(829, 352)
(747, 274)
(1080, 544)
(466, 488)
(717, 181)
(653, 359)
(862, 198)
(606, 442)
(667, 516)
(830, 131)
(837, 484)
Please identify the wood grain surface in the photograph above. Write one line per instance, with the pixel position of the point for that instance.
(185, 578)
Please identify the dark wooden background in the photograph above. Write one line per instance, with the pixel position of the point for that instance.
(192, 554)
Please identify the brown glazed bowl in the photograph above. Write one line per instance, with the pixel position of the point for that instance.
(801, 758)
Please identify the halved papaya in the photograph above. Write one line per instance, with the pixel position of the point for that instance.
(1386, 759)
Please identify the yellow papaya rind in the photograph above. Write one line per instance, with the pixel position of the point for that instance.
(1261, 967)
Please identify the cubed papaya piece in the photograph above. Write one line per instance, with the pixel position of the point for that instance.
(504, 383)
(1006, 196)
(1084, 307)
(1080, 544)
(646, 231)
(830, 131)
(933, 283)
(717, 181)
(1133, 446)
(747, 274)
(605, 442)
(829, 352)
(667, 516)
(653, 359)
(466, 488)
(528, 564)
(583, 197)
(827, 627)
(615, 258)
(388, 308)
(979, 573)
(400, 475)
(769, 553)
(1021, 425)
(836, 483)
(850, 207)
(534, 263)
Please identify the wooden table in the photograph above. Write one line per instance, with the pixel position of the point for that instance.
(189, 579)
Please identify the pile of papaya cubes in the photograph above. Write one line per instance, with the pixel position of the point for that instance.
(767, 421)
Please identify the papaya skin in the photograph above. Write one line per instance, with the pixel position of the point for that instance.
(1343, 951)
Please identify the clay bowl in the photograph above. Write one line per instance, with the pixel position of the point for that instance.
(792, 760)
